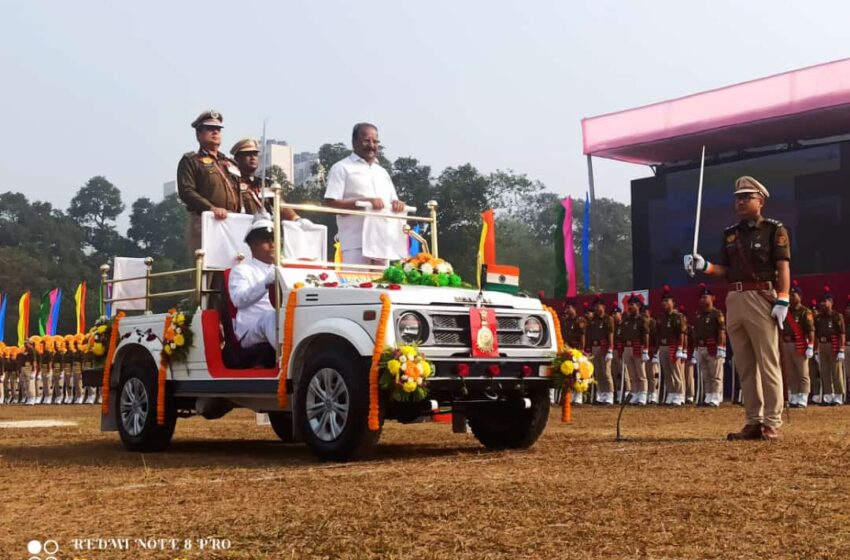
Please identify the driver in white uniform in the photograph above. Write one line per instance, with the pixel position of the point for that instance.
(249, 286)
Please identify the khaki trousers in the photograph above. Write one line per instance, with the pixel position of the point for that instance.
(814, 377)
(690, 388)
(755, 340)
(651, 371)
(618, 372)
(711, 371)
(637, 373)
(796, 370)
(602, 371)
(831, 370)
(673, 370)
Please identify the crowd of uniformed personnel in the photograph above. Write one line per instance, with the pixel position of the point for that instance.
(46, 370)
(670, 357)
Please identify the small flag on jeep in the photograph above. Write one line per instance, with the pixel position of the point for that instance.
(502, 278)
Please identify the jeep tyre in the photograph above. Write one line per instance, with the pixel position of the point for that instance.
(332, 404)
(135, 411)
(508, 426)
(282, 425)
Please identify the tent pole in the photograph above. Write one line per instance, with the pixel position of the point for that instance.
(593, 231)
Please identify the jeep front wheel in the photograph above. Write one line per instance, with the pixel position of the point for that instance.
(332, 404)
(509, 425)
(136, 411)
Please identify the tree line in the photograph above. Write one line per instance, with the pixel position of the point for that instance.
(43, 247)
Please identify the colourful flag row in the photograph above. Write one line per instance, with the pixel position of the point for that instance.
(48, 313)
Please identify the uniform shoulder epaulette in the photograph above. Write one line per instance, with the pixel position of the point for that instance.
(733, 226)
(190, 154)
(777, 223)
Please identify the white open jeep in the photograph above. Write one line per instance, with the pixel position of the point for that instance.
(503, 399)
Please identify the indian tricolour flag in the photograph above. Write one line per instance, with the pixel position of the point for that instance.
(502, 278)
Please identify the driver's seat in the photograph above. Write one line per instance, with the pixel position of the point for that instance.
(233, 354)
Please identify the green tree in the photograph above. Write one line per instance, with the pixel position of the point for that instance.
(96, 206)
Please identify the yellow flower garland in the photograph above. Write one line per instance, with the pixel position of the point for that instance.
(288, 332)
(163, 368)
(110, 355)
(380, 335)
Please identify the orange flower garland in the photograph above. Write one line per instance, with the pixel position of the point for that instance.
(288, 332)
(163, 370)
(559, 337)
(380, 335)
(107, 366)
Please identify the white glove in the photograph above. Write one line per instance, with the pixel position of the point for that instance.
(655, 359)
(681, 354)
(694, 359)
(780, 311)
(270, 276)
(644, 356)
(721, 352)
(609, 356)
(810, 352)
(695, 263)
(307, 225)
(840, 355)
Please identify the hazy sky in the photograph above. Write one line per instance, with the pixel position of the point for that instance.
(109, 88)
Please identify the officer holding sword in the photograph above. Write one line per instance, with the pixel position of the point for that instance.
(755, 258)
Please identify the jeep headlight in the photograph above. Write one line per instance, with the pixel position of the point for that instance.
(412, 327)
(534, 331)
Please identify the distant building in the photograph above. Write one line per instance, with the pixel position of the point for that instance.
(304, 162)
(279, 153)
(168, 188)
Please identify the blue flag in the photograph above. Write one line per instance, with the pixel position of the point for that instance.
(4, 301)
(585, 243)
(415, 247)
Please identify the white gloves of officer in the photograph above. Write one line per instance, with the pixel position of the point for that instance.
(609, 356)
(644, 356)
(270, 276)
(721, 353)
(307, 225)
(655, 359)
(780, 310)
(681, 354)
(810, 351)
(695, 263)
(840, 355)
(694, 359)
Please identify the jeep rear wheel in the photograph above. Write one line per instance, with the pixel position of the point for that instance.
(332, 405)
(135, 411)
(508, 425)
(282, 425)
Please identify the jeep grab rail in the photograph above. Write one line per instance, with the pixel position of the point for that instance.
(199, 290)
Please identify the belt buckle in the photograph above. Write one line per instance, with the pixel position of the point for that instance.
(739, 286)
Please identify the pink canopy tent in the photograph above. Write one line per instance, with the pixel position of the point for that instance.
(802, 104)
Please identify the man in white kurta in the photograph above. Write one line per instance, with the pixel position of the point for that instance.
(249, 287)
(360, 177)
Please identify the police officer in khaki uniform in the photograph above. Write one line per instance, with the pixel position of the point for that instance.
(635, 332)
(653, 366)
(846, 352)
(671, 326)
(798, 345)
(710, 342)
(574, 332)
(690, 362)
(831, 337)
(207, 179)
(601, 334)
(755, 258)
(622, 382)
(814, 365)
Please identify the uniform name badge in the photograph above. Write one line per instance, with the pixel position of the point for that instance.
(482, 324)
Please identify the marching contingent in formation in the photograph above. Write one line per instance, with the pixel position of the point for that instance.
(672, 355)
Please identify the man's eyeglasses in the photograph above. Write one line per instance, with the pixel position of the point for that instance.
(745, 197)
(210, 128)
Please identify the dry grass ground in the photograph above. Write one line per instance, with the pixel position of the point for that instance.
(676, 489)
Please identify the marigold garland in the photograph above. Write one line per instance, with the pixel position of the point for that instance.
(572, 370)
(288, 332)
(404, 373)
(107, 366)
(163, 368)
(559, 337)
(380, 335)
